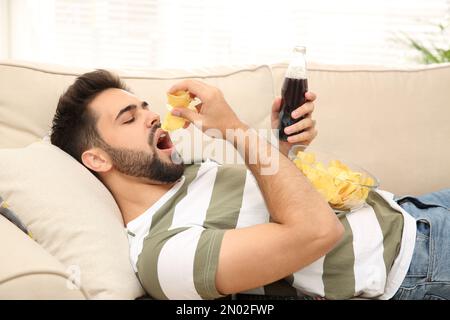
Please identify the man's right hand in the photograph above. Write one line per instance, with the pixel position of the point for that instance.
(302, 228)
(213, 113)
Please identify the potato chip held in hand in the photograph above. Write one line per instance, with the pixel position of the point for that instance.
(180, 99)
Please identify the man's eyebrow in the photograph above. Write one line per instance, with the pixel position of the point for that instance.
(129, 108)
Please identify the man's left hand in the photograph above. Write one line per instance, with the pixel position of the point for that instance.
(307, 124)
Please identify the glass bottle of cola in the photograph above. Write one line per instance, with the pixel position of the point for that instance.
(293, 91)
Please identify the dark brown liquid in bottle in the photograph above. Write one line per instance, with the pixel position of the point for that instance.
(293, 96)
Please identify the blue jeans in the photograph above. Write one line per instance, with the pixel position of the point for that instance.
(428, 277)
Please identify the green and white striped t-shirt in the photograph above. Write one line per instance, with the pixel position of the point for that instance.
(175, 244)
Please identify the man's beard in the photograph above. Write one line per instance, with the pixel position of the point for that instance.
(144, 165)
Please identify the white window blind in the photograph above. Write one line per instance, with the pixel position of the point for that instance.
(4, 28)
(175, 33)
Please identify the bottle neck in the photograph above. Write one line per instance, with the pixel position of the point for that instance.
(297, 66)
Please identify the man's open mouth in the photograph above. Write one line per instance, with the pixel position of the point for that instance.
(163, 140)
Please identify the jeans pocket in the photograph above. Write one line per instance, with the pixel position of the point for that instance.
(433, 297)
(420, 261)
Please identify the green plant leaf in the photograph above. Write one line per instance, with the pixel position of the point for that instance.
(433, 54)
(444, 55)
(427, 55)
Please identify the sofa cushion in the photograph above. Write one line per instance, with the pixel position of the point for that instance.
(72, 215)
(12, 217)
(29, 272)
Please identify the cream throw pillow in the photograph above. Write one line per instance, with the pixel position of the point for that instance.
(72, 215)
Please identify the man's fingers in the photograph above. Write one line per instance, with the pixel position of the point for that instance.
(304, 124)
(186, 125)
(310, 96)
(276, 104)
(193, 86)
(276, 112)
(186, 113)
(199, 106)
(305, 137)
(304, 109)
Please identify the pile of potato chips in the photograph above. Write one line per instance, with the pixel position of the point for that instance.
(180, 99)
(343, 188)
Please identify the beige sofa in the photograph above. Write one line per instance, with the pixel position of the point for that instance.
(393, 122)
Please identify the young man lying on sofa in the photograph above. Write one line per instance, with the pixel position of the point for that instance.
(206, 230)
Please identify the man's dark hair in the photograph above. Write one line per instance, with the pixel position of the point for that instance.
(74, 127)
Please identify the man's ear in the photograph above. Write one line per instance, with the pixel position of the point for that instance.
(97, 160)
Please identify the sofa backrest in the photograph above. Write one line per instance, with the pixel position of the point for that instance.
(29, 94)
(393, 122)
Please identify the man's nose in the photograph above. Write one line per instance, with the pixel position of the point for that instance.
(152, 119)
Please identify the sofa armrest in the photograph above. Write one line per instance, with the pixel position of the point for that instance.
(28, 271)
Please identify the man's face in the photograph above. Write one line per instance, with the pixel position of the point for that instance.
(137, 145)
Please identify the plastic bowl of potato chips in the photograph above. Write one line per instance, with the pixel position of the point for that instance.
(343, 184)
